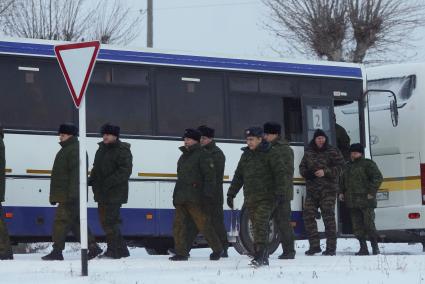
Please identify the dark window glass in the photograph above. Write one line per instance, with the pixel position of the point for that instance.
(253, 110)
(188, 98)
(33, 94)
(245, 84)
(284, 86)
(122, 102)
(293, 127)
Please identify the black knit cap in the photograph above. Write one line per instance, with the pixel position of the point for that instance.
(192, 134)
(206, 131)
(272, 128)
(357, 147)
(68, 128)
(319, 132)
(254, 132)
(108, 128)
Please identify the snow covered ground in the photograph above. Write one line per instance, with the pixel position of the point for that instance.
(399, 263)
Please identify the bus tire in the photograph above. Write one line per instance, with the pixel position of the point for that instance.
(245, 242)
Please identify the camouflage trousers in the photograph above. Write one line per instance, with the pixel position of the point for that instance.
(109, 216)
(286, 231)
(215, 216)
(186, 213)
(260, 214)
(326, 202)
(363, 220)
(67, 219)
(5, 247)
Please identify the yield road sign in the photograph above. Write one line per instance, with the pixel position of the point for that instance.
(76, 61)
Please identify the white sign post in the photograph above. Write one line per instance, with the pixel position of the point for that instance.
(77, 62)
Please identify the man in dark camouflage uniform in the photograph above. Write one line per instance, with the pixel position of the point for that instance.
(64, 190)
(321, 167)
(196, 181)
(262, 176)
(112, 167)
(272, 134)
(5, 248)
(359, 183)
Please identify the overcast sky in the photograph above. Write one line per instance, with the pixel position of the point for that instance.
(234, 27)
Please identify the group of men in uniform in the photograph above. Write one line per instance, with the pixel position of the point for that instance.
(355, 181)
(265, 171)
(109, 179)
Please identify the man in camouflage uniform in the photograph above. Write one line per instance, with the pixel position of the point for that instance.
(262, 177)
(196, 182)
(213, 206)
(5, 248)
(109, 177)
(359, 183)
(64, 189)
(272, 134)
(321, 167)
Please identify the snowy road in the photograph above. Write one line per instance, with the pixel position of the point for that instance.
(399, 263)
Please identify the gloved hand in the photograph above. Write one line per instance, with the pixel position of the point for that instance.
(230, 201)
(53, 203)
(310, 175)
(279, 199)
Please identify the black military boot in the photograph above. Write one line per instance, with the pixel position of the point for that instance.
(225, 248)
(123, 250)
(287, 255)
(216, 255)
(261, 258)
(178, 257)
(375, 247)
(94, 251)
(54, 255)
(363, 248)
(313, 251)
(6, 256)
(329, 252)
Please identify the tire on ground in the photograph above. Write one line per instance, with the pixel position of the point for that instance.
(245, 243)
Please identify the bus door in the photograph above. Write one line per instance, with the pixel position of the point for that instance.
(317, 113)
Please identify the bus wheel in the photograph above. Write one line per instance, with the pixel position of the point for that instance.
(245, 241)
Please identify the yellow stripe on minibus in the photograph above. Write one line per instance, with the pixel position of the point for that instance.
(401, 184)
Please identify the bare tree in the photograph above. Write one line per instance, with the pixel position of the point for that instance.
(72, 20)
(345, 30)
(114, 22)
(46, 19)
(5, 5)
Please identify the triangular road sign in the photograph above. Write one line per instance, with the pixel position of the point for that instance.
(77, 61)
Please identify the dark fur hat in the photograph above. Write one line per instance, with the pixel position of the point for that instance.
(357, 147)
(192, 134)
(272, 128)
(108, 128)
(206, 131)
(68, 128)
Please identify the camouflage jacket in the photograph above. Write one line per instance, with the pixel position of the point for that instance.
(360, 178)
(2, 169)
(329, 159)
(195, 176)
(260, 172)
(286, 155)
(64, 183)
(111, 171)
(219, 162)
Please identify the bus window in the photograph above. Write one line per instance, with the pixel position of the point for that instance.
(293, 128)
(124, 101)
(34, 95)
(189, 98)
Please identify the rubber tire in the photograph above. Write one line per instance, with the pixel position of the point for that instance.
(244, 242)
